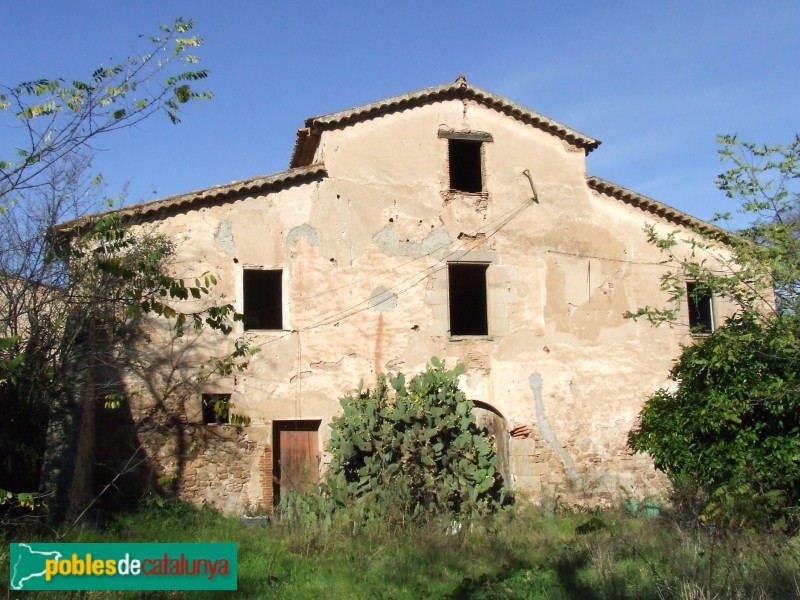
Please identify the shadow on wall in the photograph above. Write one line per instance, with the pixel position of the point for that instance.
(118, 444)
(490, 419)
(91, 446)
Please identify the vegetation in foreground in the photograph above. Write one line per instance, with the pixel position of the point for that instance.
(525, 552)
(729, 431)
(414, 453)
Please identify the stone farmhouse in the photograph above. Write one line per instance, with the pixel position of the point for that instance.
(447, 222)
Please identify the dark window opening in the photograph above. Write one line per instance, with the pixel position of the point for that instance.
(468, 308)
(466, 165)
(263, 299)
(215, 409)
(701, 313)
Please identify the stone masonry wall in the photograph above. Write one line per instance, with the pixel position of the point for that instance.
(227, 467)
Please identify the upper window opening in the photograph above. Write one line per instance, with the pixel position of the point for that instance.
(701, 310)
(466, 165)
(263, 299)
(468, 307)
(215, 409)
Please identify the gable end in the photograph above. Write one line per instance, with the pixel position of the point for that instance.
(308, 137)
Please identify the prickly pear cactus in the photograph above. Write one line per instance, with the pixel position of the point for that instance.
(413, 446)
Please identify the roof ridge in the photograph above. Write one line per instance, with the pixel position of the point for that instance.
(308, 136)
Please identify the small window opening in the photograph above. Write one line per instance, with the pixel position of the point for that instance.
(216, 409)
(701, 311)
(263, 299)
(466, 165)
(468, 308)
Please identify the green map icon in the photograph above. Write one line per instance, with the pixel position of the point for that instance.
(28, 564)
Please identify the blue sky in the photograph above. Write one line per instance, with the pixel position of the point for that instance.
(655, 82)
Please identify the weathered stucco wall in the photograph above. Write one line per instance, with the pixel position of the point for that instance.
(364, 254)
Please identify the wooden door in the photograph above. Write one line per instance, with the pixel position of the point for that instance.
(296, 456)
(487, 418)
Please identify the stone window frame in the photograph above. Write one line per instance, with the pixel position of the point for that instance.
(500, 295)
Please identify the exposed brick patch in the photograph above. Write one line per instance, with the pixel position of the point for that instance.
(266, 479)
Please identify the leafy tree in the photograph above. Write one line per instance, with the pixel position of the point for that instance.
(731, 430)
(68, 302)
(412, 449)
(56, 119)
(756, 268)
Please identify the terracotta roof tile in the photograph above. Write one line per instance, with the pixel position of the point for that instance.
(655, 207)
(213, 194)
(308, 137)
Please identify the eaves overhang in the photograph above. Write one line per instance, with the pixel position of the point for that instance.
(308, 137)
(657, 208)
(213, 195)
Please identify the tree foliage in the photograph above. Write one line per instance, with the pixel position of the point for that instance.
(731, 429)
(57, 118)
(118, 282)
(68, 297)
(756, 268)
(413, 447)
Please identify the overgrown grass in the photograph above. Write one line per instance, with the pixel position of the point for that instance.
(523, 553)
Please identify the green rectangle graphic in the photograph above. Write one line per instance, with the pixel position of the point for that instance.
(97, 566)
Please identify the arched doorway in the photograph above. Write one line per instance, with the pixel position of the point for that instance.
(491, 420)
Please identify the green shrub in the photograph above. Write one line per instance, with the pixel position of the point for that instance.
(732, 429)
(409, 449)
